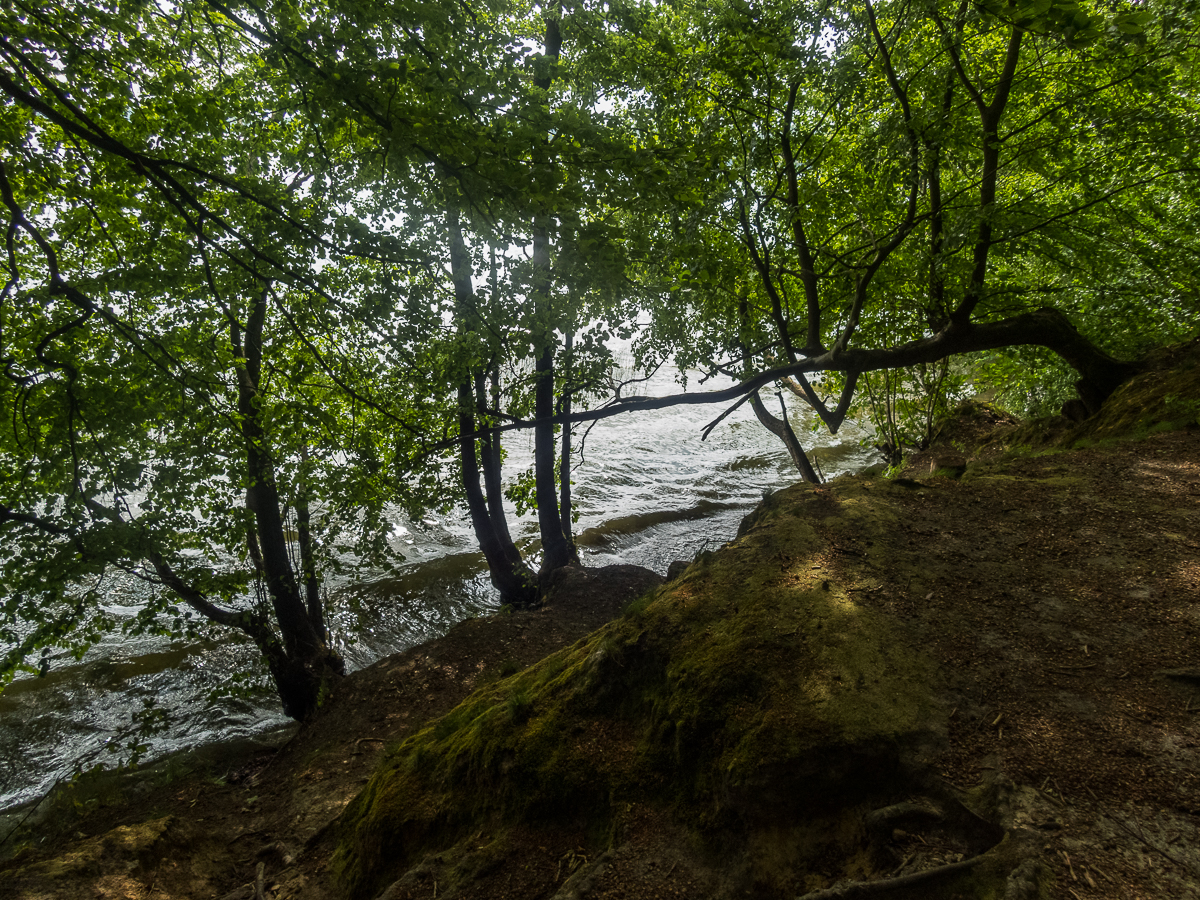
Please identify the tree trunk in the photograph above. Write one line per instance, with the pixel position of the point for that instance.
(556, 549)
(509, 573)
(1099, 373)
(489, 446)
(300, 664)
(782, 429)
(308, 565)
(564, 466)
(512, 577)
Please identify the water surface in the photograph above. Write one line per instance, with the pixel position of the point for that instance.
(647, 491)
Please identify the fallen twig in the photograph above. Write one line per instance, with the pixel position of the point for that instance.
(1146, 841)
(1067, 859)
(871, 888)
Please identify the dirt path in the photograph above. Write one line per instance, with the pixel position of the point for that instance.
(205, 835)
(1059, 595)
(1062, 597)
(1084, 645)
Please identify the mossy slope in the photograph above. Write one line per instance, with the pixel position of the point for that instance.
(1165, 396)
(756, 688)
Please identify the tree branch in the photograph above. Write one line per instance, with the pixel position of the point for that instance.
(1044, 327)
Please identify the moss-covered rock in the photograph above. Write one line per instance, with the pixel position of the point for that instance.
(754, 689)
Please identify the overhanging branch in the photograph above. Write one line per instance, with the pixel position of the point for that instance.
(1099, 372)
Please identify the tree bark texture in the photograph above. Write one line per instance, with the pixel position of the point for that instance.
(556, 549)
(308, 565)
(509, 573)
(564, 463)
(490, 458)
(514, 580)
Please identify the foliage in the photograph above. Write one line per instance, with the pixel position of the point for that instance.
(887, 176)
(431, 212)
(133, 264)
(905, 405)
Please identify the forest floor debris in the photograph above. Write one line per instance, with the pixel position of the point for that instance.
(1058, 594)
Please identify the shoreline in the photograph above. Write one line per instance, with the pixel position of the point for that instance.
(1035, 614)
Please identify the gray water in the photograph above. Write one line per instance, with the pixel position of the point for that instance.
(647, 490)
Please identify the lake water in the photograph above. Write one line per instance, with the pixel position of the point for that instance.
(647, 491)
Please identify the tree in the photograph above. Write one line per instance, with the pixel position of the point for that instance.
(880, 186)
(165, 381)
(493, 154)
(265, 264)
(225, 304)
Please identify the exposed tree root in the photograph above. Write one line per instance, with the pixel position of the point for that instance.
(887, 885)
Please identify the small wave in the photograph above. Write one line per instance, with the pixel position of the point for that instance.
(623, 525)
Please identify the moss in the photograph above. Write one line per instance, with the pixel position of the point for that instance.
(143, 841)
(1164, 397)
(638, 606)
(952, 472)
(751, 688)
(1159, 400)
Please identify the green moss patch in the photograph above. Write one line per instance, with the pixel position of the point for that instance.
(1164, 397)
(757, 687)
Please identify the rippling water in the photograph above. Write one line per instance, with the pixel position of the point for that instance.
(648, 491)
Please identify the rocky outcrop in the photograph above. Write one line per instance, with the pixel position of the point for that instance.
(758, 707)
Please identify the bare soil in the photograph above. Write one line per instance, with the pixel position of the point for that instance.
(1063, 604)
(1058, 594)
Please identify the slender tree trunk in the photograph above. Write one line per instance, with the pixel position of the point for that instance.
(564, 466)
(564, 484)
(300, 664)
(263, 498)
(252, 544)
(489, 446)
(308, 562)
(556, 549)
(496, 496)
(782, 429)
(493, 457)
(514, 580)
(509, 573)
